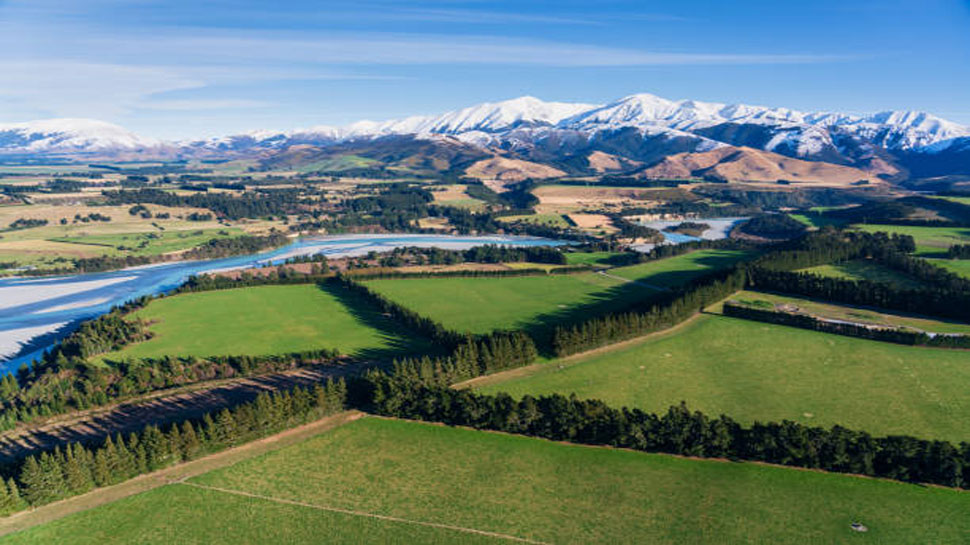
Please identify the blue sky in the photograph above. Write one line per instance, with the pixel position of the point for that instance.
(179, 68)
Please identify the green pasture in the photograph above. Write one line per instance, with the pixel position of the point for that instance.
(268, 320)
(757, 371)
(514, 486)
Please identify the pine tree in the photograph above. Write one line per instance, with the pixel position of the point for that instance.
(77, 473)
(226, 433)
(34, 482)
(13, 493)
(101, 472)
(191, 446)
(156, 447)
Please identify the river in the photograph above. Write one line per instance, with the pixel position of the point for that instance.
(37, 312)
(720, 228)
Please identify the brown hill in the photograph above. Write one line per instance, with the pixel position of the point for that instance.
(604, 162)
(511, 170)
(750, 165)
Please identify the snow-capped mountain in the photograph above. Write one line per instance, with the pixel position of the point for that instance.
(488, 117)
(64, 136)
(642, 127)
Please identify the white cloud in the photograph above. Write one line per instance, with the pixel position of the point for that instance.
(221, 47)
(67, 88)
(203, 104)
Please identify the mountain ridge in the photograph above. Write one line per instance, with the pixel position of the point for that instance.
(640, 128)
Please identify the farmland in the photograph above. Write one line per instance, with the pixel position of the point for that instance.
(480, 305)
(267, 320)
(65, 236)
(862, 270)
(851, 314)
(545, 491)
(589, 258)
(930, 241)
(676, 271)
(755, 371)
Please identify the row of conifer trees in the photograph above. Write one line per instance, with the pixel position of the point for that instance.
(678, 431)
(78, 468)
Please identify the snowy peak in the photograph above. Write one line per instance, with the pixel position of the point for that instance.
(491, 117)
(69, 136)
(650, 110)
(487, 117)
(527, 122)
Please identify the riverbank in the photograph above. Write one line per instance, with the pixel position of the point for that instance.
(43, 302)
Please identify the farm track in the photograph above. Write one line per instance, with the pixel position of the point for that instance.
(365, 514)
(522, 372)
(171, 475)
(628, 281)
(159, 409)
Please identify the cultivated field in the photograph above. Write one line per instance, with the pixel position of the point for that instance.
(863, 270)
(554, 220)
(677, 271)
(268, 320)
(756, 371)
(538, 303)
(125, 234)
(589, 258)
(513, 487)
(480, 305)
(850, 313)
(930, 241)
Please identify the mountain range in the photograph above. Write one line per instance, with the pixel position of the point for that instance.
(632, 134)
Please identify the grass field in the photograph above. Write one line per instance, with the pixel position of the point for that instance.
(537, 303)
(515, 486)
(961, 200)
(589, 258)
(930, 241)
(480, 305)
(48, 246)
(852, 314)
(267, 320)
(151, 243)
(755, 371)
(863, 270)
(553, 220)
(337, 163)
(679, 270)
(958, 266)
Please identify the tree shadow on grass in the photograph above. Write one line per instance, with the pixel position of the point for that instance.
(627, 297)
(704, 265)
(399, 341)
(621, 298)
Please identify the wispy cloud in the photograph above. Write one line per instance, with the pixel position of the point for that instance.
(204, 104)
(65, 88)
(405, 49)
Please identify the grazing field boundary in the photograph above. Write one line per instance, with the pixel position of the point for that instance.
(53, 511)
(849, 329)
(363, 513)
(159, 408)
(573, 359)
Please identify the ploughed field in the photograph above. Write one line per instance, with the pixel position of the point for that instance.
(757, 371)
(538, 303)
(265, 320)
(515, 486)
